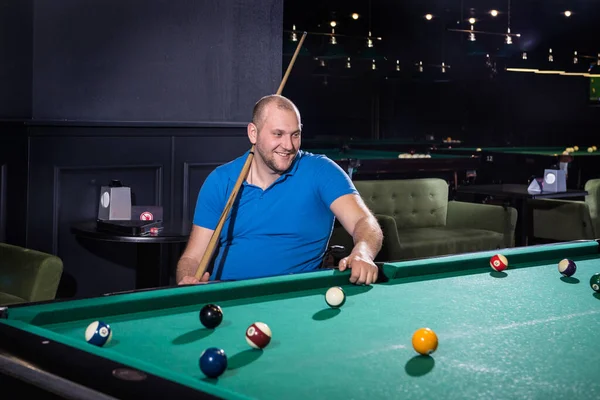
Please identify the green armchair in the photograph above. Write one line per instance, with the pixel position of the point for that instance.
(27, 275)
(565, 220)
(419, 221)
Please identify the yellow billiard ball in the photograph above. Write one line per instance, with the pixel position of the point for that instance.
(425, 341)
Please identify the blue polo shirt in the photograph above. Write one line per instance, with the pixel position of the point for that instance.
(281, 230)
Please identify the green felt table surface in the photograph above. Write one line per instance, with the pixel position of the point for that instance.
(541, 151)
(393, 141)
(527, 333)
(363, 154)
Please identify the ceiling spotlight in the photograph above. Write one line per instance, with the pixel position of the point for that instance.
(494, 13)
(568, 13)
(508, 39)
(471, 21)
(333, 24)
(428, 17)
(355, 15)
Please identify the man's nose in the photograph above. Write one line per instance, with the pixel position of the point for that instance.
(287, 143)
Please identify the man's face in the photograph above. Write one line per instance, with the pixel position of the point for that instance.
(278, 138)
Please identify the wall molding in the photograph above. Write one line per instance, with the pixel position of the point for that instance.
(60, 170)
(187, 166)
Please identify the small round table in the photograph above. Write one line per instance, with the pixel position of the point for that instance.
(151, 269)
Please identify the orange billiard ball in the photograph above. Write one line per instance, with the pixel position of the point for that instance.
(499, 262)
(424, 341)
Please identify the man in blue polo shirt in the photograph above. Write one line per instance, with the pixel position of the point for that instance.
(283, 217)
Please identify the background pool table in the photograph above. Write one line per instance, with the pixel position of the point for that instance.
(524, 333)
(378, 164)
(518, 164)
(542, 151)
(396, 144)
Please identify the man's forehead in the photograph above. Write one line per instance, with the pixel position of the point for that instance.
(273, 112)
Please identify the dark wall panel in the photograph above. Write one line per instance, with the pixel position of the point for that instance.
(163, 166)
(154, 60)
(65, 179)
(154, 93)
(195, 158)
(15, 58)
(51, 156)
(97, 267)
(3, 197)
(13, 182)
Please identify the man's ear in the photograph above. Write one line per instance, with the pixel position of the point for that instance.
(252, 132)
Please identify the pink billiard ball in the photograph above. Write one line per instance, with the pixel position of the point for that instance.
(499, 262)
(258, 335)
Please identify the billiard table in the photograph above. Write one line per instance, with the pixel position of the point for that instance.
(517, 164)
(526, 332)
(398, 144)
(527, 150)
(378, 164)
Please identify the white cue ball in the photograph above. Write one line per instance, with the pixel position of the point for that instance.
(335, 297)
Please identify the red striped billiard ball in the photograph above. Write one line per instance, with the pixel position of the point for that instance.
(499, 262)
(258, 335)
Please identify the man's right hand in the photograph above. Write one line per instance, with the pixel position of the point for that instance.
(191, 280)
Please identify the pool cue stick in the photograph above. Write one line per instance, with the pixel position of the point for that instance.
(210, 249)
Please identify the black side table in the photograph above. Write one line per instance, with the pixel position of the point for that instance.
(151, 270)
(518, 195)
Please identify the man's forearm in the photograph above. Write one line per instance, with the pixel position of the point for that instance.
(186, 267)
(368, 237)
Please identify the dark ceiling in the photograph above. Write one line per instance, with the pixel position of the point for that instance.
(409, 38)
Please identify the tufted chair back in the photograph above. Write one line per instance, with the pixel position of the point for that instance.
(593, 202)
(413, 203)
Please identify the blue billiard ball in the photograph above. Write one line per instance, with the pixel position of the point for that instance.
(213, 362)
(567, 267)
(98, 333)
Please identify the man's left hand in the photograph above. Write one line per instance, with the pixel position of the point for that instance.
(364, 270)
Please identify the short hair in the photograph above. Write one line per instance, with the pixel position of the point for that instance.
(281, 102)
